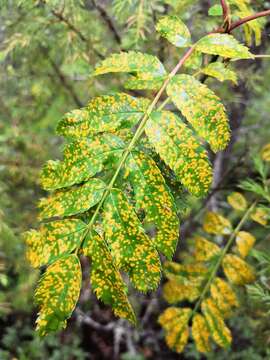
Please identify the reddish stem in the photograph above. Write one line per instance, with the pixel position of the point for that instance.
(248, 18)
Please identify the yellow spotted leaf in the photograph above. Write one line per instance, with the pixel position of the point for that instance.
(57, 294)
(237, 201)
(244, 242)
(223, 45)
(131, 61)
(237, 271)
(72, 201)
(201, 334)
(219, 331)
(103, 113)
(152, 195)
(180, 150)
(132, 250)
(219, 71)
(144, 82)
(174, 30)
(265, 152)
(260, 216)
(175, 323)
(174, 292)
(204, 249)
(105, 278)
(223, 296)
(202, 109)
(215, 223)
(53, 239)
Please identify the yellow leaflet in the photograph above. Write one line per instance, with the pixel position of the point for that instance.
(174, 30)
(237, 270)
(265, 152)
(220, 72)
(215, 323)
(237, 201)
(204, 249)
(173, 292)
(215, 223)
(244, 242)
(223, 296)
(175, 323)
(201, 334)
(260, 216)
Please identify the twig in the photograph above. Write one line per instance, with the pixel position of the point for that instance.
(86, 319)
(249, 18)
(105, 16)
(226, 14)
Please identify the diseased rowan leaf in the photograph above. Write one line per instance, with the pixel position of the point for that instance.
(131, 61)
(72, 201)
(215, 223)
(202, 109)
(144, 82)
(260, 216)
(219, 71)
(237, 271)
(83, 159)
(103, 113)
(223, 45)
(237, 201)
(53, 239)
(194, 61)
(106, 280)
(57, 293)
(174, 30)
(201, 334)
(152, 195)
(265, 152)
(180, 150)
(224, 296)
(185, 274)
(173, 292)
(244, 242)
(131, 248)
(175, 323)
(215, 323)
(204, 249)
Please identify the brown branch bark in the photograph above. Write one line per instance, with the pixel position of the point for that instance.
(246, 19)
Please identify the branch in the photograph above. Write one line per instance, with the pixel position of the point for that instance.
(86, 319)
(105, 16)
(248, 18)
(226, 12)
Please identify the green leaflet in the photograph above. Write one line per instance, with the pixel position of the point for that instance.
(131, 248)
(152, 195)
(106, 113)
(131, 61)
(181, 151)
(106, 280)
(215, 323)
(53, 239)
(83, 159)
(220, 72)
(202, 108)
(174, 30)
(223, 45)
(57, 293)
(72, 201)
(143, 82)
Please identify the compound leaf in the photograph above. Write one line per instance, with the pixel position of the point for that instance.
(202, 109)
(72, 201)
(180, 150)
(57, 293)
(131, 248)
(152, 195)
